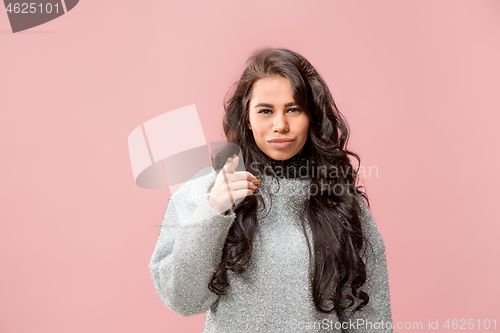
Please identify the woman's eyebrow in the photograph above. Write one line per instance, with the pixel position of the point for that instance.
(271, 106)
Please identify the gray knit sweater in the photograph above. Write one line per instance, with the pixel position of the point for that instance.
(274, 294)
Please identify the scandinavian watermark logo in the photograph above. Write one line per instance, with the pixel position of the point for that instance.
(26, 15)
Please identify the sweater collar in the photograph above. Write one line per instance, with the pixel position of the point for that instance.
(294, 167)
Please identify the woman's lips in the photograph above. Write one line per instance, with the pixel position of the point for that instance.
(280, 144)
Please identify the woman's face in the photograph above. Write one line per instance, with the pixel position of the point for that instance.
(273, 114)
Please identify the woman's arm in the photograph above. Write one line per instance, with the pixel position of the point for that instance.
(376, 315)
(188, 252)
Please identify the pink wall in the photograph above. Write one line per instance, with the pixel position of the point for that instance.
(418, 82)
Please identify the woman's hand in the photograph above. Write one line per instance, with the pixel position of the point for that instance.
(231, 185)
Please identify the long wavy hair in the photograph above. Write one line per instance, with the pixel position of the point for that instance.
(333, 217)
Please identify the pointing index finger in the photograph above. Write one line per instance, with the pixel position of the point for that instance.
(232, 163)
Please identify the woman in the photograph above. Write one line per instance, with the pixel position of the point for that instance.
(289, 246)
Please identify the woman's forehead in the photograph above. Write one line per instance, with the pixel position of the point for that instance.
(272, 90)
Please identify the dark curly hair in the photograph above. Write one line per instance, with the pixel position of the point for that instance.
(333, 218)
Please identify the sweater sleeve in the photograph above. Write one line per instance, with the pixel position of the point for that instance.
(376, 315)
(188, 252)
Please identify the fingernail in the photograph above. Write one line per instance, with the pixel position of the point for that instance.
(234, 155)
(229, 160)
(258, 181)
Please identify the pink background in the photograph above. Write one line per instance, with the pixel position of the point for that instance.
(418, 82)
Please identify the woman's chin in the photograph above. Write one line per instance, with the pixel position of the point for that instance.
(280, 155)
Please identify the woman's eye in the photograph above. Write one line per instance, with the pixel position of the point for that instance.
(262, 111)
(294, 109)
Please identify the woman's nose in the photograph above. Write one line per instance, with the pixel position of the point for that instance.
(280, 123)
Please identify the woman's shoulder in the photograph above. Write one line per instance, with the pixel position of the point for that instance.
(362, 206)
(368, 225)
